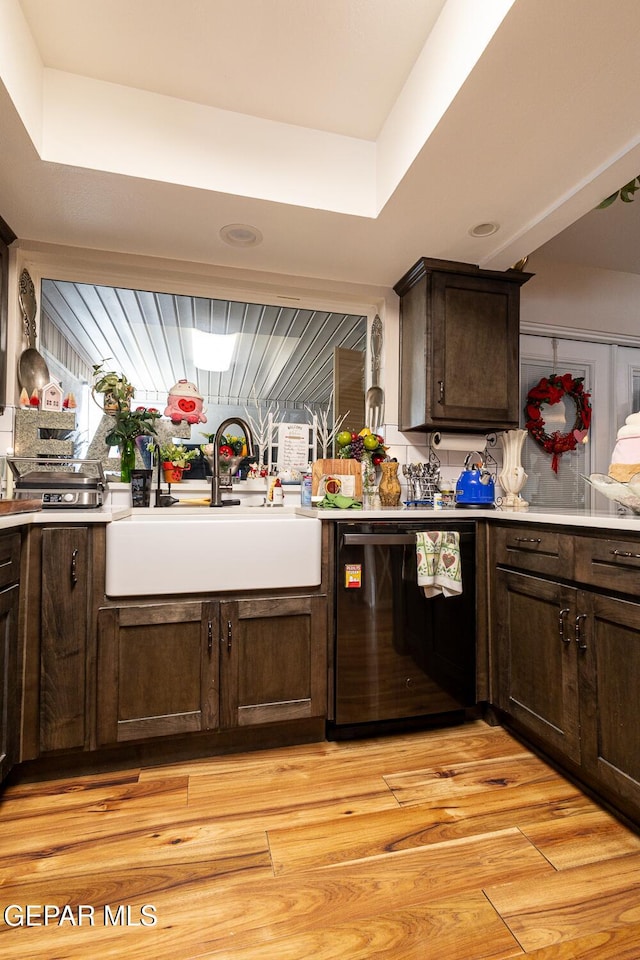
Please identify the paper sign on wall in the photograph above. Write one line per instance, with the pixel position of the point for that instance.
(293, 446)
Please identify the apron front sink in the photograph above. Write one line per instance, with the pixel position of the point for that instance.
(170, 551)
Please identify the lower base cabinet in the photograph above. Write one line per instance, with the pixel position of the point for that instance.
(609, 645)
(537, 664)
(10, 547)
(9, 686)
(157, 671)
(174, 668)
(272, 660)
(64, 610)
(568, 675)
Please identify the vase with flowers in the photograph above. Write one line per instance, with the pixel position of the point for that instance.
(128, 424)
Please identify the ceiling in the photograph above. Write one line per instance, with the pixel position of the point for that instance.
(354, 137)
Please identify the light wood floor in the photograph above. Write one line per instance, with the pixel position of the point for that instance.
(456, 844)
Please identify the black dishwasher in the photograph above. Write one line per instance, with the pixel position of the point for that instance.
(400, 659)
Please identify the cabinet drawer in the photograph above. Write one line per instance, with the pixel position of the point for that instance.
(527, 547)
(9, 559)
(611, 564)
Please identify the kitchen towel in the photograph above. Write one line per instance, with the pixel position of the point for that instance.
(338, 501)
(438, 562)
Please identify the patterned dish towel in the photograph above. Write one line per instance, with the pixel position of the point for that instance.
(438, 561)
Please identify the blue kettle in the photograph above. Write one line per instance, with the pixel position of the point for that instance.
(476, 486)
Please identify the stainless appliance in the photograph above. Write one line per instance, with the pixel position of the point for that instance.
(60, 483)
(400, 659)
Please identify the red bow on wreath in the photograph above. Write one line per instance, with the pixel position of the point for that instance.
(552, 390)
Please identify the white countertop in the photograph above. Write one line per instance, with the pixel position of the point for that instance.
(601, 520)
(35, 517)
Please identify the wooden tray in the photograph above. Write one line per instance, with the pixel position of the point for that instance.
(336, 468)
(19, 506)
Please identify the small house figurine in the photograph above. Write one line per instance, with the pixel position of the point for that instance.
(51, 397)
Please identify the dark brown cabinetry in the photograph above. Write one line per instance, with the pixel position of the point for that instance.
(566, 653)
(66, 566)
(537, 662)
(9, 686)
(459, 347)
(273, 660)
(157, 670)
(7, 236)
(179, 667)
(64, 577)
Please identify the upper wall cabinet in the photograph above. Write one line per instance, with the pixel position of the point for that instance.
(7, 236)
(459, 347)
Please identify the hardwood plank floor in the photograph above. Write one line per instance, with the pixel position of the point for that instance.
(454, 844)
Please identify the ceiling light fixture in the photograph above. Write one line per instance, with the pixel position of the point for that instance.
(241, 235)
(213, 351)
(484, 229)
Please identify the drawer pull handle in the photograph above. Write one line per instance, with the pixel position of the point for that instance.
(580, 640)
(563, 613)
(440, 391)
(229, 635)
(528, 540)
(625, 553)
(74, 568)
(209, 637)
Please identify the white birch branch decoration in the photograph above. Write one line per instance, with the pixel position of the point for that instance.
(261, 424)
(326, 433)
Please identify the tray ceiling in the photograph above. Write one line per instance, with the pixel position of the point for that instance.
(348, 134)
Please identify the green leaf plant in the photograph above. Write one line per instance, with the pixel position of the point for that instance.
(625, 193)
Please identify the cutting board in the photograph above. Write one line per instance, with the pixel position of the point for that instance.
(336, 468)
(19, 506)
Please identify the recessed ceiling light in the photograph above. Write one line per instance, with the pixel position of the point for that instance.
(241, 235)
(484, 229)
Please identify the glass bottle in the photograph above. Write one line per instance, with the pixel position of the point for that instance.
(127, 460)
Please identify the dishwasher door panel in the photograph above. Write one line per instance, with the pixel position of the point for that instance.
(399, 654)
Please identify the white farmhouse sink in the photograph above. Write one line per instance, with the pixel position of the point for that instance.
(203, 550)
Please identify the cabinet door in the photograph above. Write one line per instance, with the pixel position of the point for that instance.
(157, 670)
(66, 565)
(609, 648)
(537, 659)
(273, 660)
(475, 352)
(9, 688)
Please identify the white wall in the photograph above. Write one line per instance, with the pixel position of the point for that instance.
(591, 301)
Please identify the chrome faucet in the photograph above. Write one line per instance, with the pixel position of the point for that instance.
(214, 459)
